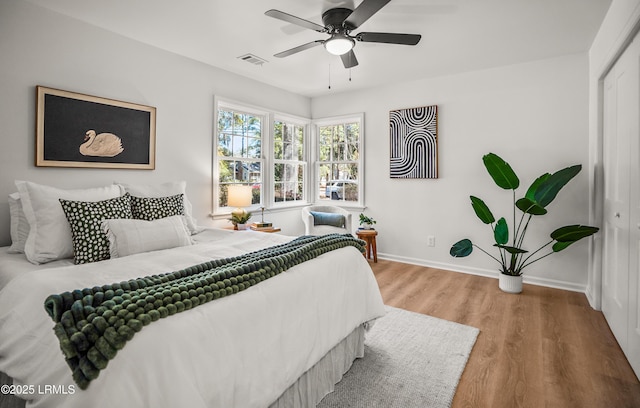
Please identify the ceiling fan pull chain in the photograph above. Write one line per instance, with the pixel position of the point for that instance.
(329, 76)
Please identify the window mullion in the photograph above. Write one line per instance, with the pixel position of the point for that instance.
(267, 161)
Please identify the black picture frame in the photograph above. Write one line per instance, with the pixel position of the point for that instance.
(78, 130)
(414, 143)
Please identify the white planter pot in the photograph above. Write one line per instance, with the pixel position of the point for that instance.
(510, 284)
(242, 227)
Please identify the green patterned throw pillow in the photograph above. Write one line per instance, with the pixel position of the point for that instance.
(90, 244)
(154, 208)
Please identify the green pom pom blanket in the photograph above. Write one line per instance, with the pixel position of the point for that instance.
(92, 324)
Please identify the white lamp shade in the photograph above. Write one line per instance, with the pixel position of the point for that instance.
(239, 196)
(338, 45)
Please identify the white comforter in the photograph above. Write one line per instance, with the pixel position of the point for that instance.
(239, 351)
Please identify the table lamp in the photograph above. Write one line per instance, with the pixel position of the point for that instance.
(239, 196)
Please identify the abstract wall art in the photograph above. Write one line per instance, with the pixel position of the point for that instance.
(77, 130)
(414, 142)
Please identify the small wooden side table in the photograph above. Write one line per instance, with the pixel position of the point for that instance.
(369, 236)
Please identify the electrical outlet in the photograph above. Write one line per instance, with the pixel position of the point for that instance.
(431, 241)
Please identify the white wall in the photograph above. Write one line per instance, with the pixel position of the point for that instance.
(40, 47)
(534, 115)
(618, 28)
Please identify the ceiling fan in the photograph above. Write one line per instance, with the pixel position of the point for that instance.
(338, 23)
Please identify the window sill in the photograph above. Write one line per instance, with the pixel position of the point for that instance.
(256, 210)
(350, 206)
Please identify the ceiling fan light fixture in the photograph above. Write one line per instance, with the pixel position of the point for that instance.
(339, 44)
(338, 23)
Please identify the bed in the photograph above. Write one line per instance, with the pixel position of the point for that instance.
(281, 343)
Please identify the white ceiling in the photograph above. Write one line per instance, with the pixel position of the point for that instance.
(457, 35)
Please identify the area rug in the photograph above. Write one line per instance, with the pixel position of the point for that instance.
(410, 360)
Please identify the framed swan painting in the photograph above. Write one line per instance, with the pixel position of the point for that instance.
(77, 130)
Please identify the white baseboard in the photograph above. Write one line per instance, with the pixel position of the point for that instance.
(550, 283)
(592, 299)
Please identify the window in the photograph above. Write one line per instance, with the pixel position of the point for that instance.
(239, 148)
(289, 165)
(339, 160)
(270, 152)
(265, 150)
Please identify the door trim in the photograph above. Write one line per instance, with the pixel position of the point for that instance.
(596, 185)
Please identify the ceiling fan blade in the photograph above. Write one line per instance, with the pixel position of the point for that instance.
(363, 12)
(389, 38)
(298, 49)
(349, 59)
(281, 15)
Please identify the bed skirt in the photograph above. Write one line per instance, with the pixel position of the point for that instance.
(307, 391)
(320, 379)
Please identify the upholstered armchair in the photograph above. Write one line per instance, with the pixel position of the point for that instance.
(326, 219)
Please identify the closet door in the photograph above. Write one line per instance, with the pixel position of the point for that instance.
(633, 342)
(621, 223)
(615, 269)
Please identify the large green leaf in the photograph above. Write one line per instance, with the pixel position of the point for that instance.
(559, 246)
(501, 232)
(549, 188)
(482, 211)
(534, 186)
(511, 249)
(501, 172)
(461, 248)
(573, 233)
(529, 207)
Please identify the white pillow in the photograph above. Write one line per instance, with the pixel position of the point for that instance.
(19, 225)
(164, 190)
(129, 236)
(50, 235)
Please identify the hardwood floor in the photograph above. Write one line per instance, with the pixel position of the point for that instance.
(542, 348)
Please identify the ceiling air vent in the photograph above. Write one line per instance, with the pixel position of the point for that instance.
(253, 59)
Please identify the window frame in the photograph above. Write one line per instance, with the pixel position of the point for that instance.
(267, 159)
(333, 121)
(226, 104)
(306, 147)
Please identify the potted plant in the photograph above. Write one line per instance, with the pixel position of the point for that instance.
(239, 220)
(511, 255)
(366, 222)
